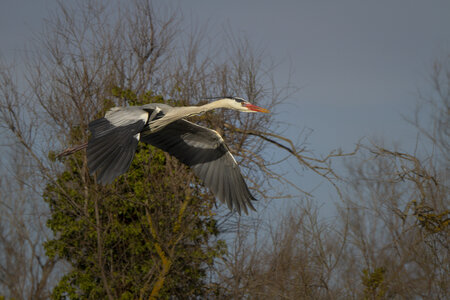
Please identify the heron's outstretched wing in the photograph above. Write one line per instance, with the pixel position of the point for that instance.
(113, 142)
(206, 153)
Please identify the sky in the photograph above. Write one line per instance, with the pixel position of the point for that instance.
(358, 64)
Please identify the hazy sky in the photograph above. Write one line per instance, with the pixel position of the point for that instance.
(358, 63)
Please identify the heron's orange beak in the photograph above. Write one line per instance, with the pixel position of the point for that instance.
(256, 108)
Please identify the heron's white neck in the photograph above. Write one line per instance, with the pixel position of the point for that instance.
(177, 113)
(187, 111)
(221, 103)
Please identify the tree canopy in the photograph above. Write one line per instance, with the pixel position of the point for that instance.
(155, 231)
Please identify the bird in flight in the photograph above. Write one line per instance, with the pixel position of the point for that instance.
(115, 137)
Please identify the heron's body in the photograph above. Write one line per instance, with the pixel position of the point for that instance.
(115, 138)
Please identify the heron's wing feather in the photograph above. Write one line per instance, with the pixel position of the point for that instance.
(206, 153)
(114, 141)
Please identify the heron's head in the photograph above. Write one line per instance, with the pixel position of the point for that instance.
(240, 104)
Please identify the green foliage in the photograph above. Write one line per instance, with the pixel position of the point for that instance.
(105, 235)
(133, 99)
(374, 283)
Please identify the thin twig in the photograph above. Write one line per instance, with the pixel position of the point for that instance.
(72, 150)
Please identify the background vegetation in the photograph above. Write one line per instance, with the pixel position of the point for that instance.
(155, 232)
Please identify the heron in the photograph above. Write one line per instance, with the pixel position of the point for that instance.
(115, 137)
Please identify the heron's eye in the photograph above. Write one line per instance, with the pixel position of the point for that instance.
(239, 100)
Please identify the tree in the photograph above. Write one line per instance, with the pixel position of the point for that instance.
(154, 226)
(397, 207)
(123, 239)
(391, 234)
(25, 271)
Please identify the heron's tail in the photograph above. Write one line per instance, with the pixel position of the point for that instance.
(111, 149)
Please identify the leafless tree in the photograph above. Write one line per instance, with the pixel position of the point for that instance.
(398, 210)
(25, 271)
(391, 235)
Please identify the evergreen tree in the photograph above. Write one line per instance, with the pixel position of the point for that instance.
(148, 233)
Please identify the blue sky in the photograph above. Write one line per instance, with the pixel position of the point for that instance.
(358, 64)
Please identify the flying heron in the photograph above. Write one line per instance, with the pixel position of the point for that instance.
(115, 137)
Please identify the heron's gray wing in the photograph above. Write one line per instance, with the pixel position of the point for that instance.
(206, 153)
(114, 140)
